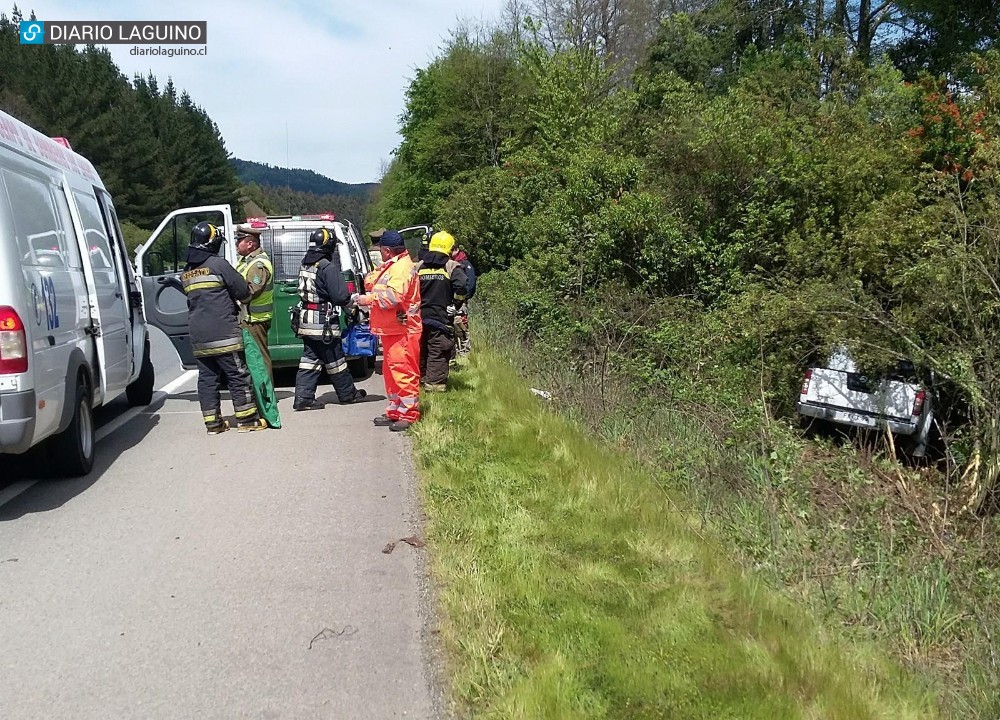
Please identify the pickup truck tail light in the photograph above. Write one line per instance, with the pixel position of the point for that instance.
(918, 403)
(13, 343)
(805, 382)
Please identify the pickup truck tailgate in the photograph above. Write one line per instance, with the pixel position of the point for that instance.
(856, 393)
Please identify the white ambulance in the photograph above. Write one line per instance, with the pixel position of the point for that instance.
(72, 333)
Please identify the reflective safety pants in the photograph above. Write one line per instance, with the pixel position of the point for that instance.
(401, 371)
(229, 370)
(317, 357)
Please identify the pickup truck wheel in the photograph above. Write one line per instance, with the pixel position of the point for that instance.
(140, 392)
(73, 448)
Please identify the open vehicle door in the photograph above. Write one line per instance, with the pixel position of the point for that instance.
(159, 263)
(414, 237)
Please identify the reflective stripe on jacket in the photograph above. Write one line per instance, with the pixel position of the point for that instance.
(395, 297)
(317, 315)
(261, 308)
(212, 290)
(442, 284)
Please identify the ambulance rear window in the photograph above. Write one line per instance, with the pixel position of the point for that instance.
(40, 241)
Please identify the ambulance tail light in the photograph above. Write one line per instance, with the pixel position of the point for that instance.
(13, 343)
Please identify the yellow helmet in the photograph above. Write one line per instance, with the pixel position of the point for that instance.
(441, 242)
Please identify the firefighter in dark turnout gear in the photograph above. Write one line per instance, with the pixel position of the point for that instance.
(443, 286)
(213, 288)
(323, 295)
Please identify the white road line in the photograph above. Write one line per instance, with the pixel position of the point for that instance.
(14, 489)
(163, 392)
(178, 382)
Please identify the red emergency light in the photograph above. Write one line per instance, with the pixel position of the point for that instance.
(64, 142)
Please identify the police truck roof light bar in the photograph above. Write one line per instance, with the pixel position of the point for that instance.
(322, 217)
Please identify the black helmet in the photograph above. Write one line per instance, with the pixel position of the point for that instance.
(206, 236)
(321, 237)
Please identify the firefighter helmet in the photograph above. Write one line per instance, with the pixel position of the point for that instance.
(322, 237)
(442, 242)
(207, 236)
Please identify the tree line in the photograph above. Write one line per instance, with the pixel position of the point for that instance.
(719, 194)
(265, 200)
(298, 179)
(154, 148)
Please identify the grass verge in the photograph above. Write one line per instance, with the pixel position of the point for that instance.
(573, 587)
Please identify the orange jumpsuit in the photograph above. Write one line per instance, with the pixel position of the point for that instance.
(394, 290)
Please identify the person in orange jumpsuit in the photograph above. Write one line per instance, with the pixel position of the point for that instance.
(393, 297)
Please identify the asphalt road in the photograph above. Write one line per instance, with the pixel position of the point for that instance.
(230, 576)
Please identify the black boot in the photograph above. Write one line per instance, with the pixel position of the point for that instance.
(357, 397)
(308, 405)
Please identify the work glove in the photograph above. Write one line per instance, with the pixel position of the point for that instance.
(452, 310)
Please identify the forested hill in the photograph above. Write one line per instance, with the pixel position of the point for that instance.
(298, 179)
(288, 191)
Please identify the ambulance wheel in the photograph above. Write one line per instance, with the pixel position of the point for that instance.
(140, 392)
(73, 448)
(359, 368)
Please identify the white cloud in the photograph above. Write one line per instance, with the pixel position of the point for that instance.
(333, 73)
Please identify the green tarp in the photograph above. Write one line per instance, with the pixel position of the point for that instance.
(263, 388)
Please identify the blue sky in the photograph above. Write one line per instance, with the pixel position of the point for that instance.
(334, 73)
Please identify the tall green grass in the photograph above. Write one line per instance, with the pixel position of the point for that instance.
(872, 546)
(572, 586)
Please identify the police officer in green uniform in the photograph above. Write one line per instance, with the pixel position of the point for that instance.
(255, 266)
